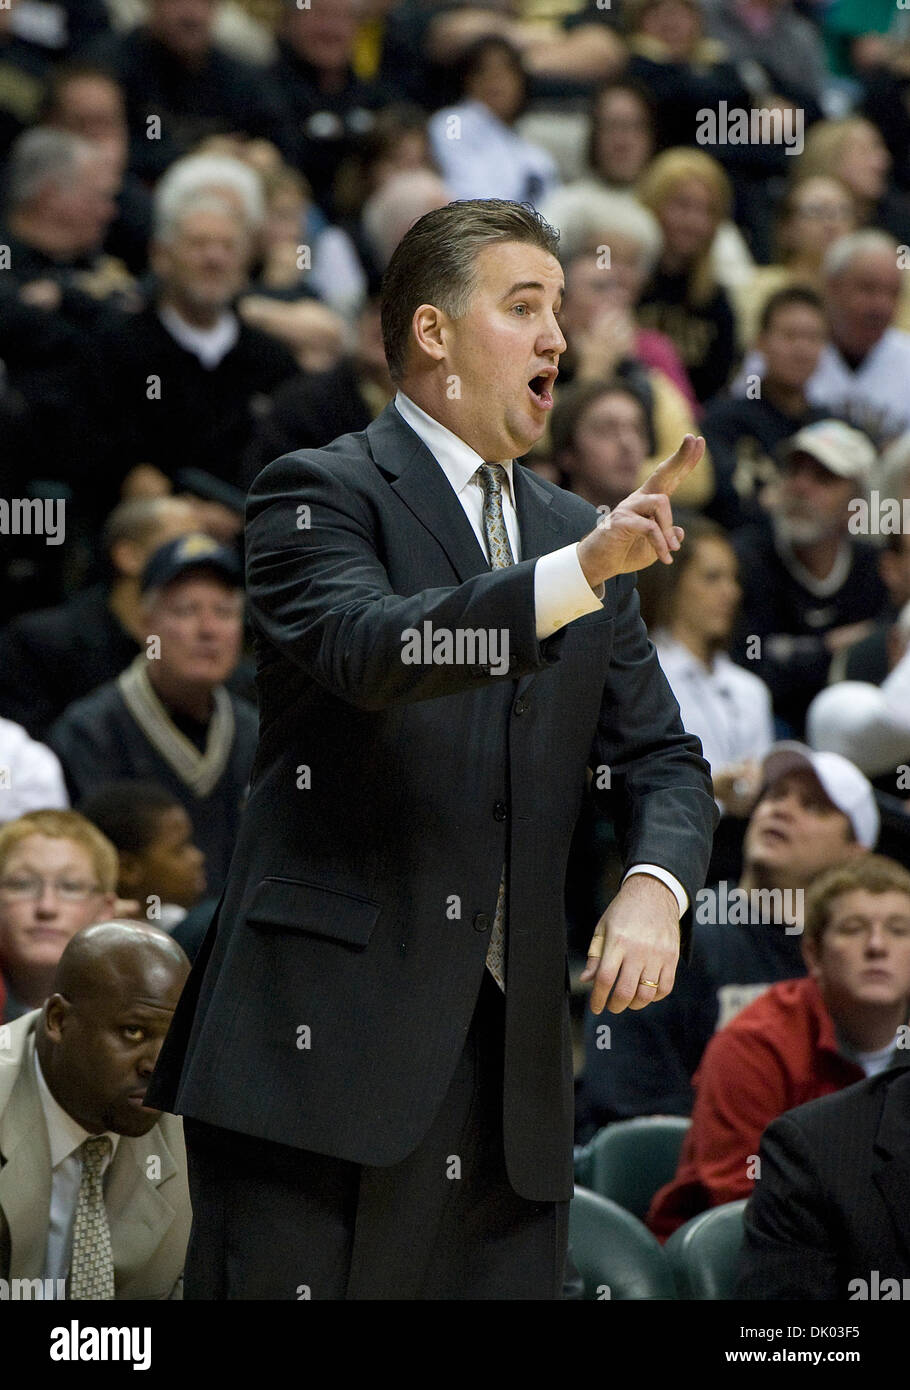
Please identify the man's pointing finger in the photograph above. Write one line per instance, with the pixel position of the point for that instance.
(668, 475)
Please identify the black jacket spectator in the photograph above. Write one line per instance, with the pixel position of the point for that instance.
(51, 657)
(98, 740)
(831, 1207)
(791, 621)
(226, 94)
(329, 125)
(743, 436)
(704, 334)
(190, 416)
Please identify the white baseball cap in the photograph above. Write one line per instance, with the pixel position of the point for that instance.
(840, 780)
(840, 448)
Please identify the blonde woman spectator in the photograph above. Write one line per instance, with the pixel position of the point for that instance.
(816, 210)
(689, 194)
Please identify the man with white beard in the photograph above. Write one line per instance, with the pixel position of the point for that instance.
(810, 586)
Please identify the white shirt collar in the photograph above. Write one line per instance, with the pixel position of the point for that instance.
(210, 345)
(457, 459)
(64, 1133)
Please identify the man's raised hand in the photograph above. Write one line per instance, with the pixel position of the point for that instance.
(640, 529)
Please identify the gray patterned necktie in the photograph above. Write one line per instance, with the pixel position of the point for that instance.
(491, 477)
(92, 1266)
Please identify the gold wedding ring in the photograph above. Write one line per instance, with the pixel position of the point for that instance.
(652, 984)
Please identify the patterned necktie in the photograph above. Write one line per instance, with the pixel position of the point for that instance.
(92, 1266)
(490, 477)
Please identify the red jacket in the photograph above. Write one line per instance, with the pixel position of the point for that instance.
(780, 1051)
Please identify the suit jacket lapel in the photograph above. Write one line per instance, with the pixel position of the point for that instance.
(138, 1214)
(425, 490)
(25, 1178)
(891, 1167)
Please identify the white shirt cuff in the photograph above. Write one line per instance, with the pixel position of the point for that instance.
(672, 883)
(561, 592)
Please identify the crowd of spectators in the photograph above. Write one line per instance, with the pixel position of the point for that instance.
(197, 204)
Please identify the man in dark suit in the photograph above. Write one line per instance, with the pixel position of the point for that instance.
(829, 1218)
(373, 1053)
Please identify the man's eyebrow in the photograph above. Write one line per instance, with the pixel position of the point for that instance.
(531, 285)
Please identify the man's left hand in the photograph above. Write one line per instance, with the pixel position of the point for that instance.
(636, 940)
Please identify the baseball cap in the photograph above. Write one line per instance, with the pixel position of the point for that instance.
(193, 551)
(841, 781)
(838, 447)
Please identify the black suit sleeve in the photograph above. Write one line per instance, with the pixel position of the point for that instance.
(788, 1250)
(319, 592)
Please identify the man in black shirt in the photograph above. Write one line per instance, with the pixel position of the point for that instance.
(744, 433)
(180, 87)
(177, 386)
(810, 587)
(332, 108)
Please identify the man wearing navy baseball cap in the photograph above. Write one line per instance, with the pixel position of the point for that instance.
(169, 717)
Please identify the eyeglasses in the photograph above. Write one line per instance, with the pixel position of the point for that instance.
(68, 890)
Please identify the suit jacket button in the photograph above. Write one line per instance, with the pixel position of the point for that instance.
(481, 922)
(500, 810)
(521, 705)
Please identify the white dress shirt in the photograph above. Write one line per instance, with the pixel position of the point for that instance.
(65, 1136)
(728, 708)
(561, 592)
(479, 156)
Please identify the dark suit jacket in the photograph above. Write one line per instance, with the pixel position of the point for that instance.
(831, 1205)
(359, 908)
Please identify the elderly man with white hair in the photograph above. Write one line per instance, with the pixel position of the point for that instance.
(178, 385)
(864, 369)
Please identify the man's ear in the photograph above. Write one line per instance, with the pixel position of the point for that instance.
(429, 326)
(811, 956)
(56, 1008)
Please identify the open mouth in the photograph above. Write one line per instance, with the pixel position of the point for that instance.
(539, 387)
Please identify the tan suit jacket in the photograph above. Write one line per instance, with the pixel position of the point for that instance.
(149, 1216)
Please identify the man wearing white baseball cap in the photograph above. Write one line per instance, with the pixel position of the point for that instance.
(814, 812)
(842, 782)
(810, 587)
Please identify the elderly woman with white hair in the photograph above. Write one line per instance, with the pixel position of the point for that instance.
(609, 247)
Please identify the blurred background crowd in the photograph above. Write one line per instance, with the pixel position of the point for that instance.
(198, 202)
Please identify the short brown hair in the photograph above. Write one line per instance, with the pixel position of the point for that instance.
(873, 873)
(64, 825)
(436, 263)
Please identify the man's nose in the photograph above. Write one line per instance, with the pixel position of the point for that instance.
(47, 902)
(877, 940)
(552, 340)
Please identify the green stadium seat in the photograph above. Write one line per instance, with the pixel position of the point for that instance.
(616, 1256)
(704, 1253)
(629, 1160)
